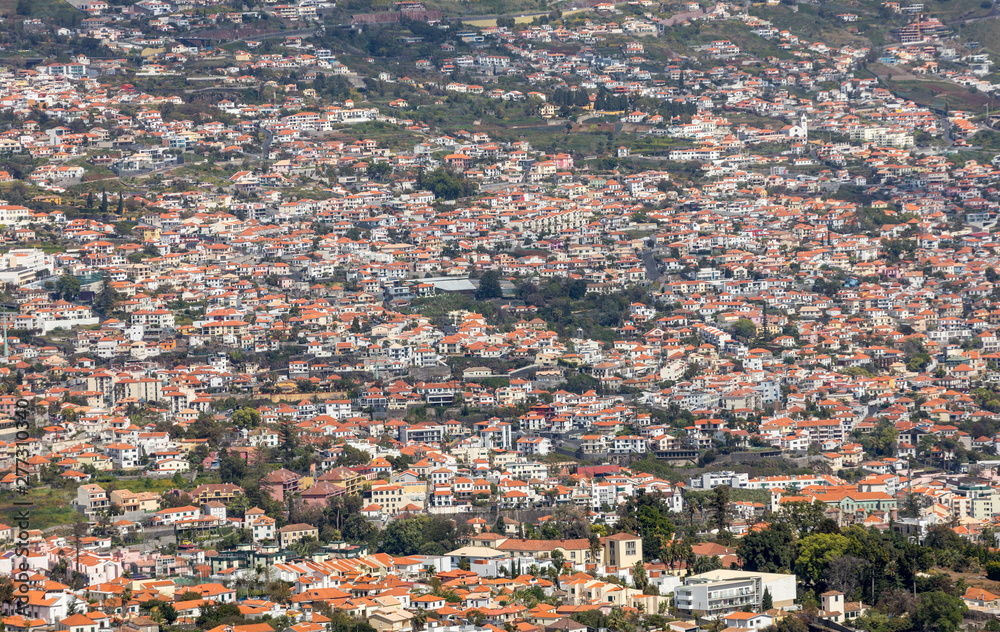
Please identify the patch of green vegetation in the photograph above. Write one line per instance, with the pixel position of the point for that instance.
(681, 38)
(206, 172)
(756, 468)
(148, 484)
(439, 306)
(985, 33)
(821, 23)
(57, 11)
(750, 495)
(111, 184)
(986, 139)
(938, 94)
(50, 249)
(651, 145)
(50, 507)
(470, 8)
(92, 170)
(391, 136)
(948, 10)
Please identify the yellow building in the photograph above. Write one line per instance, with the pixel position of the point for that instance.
(348, 479)
(622, 550)
(131, 501)
(287, 536)
(389, 497)
(149, 233)
(391, 620)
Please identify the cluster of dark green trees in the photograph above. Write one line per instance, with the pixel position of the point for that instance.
(570, 98)
(609, 102)
(566, 306)
(880, 568)
(902, 580)
(445, 184)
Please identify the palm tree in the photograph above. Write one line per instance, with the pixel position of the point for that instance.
(336, 506)
(681, 550)
(619, 621)
(126, 597)
(558, 559)
(595, 546)
(419, 619)
(79, 531)
(260, 575)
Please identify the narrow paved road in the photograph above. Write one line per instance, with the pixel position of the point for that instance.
(266, 147)
(652, 272)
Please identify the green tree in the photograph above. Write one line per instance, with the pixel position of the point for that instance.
(489, 286)
(168, 612)
(7, 588)
(218, 614)
(639, 577)
(279, 591)
(444, 184)
(106, 300)
(558, 562)
(803, 517)
(403, 537)
(941, 537)
(766, 602)
(648, 516)
(351, 456)
(744, 328)
(246, 418)
(69, 286)
(232, 468)
(423, 535)
(992, 570)
(358, 529)
(938, 612)
(769, 550)
(881, 441)
(379, 170)
(816, 551)
(718, 504)
(706, 564)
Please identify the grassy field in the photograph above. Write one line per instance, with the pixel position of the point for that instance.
(217, 175)
(949, 10)
(488, 7)
(519, 19)
(680, 39)
(49, 249)
(821, 23)
(939, 94)
(391, 136)
(111, 184)
(931, 92)
(976, 580)
(58, 11)
(653, 145)
(584, 139)
(987, 33)
(51, 507)
(750, 495)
